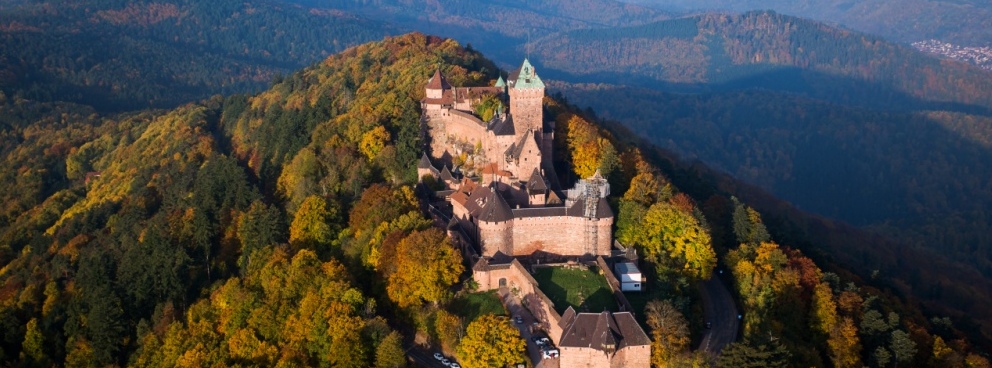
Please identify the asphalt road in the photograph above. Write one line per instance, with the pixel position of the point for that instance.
(720, 310)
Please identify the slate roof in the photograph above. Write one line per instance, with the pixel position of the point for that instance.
(495, 209)
(501, 125)
(500, 83)
(517, 149)
(536, 183)
(446, 174)
(600, 331)
(425, 162)
(438, 81)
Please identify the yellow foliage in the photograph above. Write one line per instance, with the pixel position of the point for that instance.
(491, 341)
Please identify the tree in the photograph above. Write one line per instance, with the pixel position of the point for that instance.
(390, 353)
(449, 329)
(374, 141)
(902, 346)
(491, 341)
(845, 347)
(311, 225)
(882, 356)
(753, 355)
(673, 237)
(426, 267)
(669, 332)
(34, 343)
(748, 226)
(261, 225)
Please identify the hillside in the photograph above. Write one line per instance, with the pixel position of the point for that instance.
(249, 229)
(766, 51)
(967, 22)
(122, 55)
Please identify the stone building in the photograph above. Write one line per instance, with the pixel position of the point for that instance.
(510, 207)
(602, 340)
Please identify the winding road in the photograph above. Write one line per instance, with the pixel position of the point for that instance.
(720, 310)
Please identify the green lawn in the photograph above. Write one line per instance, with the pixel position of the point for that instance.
(584, 290)
(472, 305)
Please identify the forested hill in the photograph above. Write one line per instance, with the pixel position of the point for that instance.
(124, 55)
(715, 52)
(282, 229)
(966, 22)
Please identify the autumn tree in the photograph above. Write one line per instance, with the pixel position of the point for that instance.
(390, 353)
(491, 341)
(449, 329)
(312, 224)
(427, 265)
(673, 238)
(374, 141)
(748, 226)
(749, 354)
(845, 346)
(669, 332)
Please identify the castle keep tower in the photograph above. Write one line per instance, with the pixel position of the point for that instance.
(526, 94)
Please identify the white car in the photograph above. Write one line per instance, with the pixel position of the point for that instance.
(446, 362)
(438, 357)
(550, 353)
(455, 365)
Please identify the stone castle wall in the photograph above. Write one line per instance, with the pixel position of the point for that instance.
(518, 280)
(561, 235)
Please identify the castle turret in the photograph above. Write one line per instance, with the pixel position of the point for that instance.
(437, 85)
(495, 224)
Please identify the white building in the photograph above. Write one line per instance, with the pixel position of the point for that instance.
(629, 276)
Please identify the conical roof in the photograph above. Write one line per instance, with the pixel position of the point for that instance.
(438, 81)
(425, 162)
(495, 209)
(500, 83)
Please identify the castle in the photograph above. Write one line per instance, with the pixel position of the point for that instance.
(511, 207)
(505, 199)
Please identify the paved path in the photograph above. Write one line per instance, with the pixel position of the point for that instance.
(720, 310)
(516, 309)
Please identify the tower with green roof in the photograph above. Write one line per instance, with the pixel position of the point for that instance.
(526, 95)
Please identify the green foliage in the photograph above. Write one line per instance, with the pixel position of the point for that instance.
(754, 355)
(585, 290)
(470, 306)
(123, 56)
(488, 107)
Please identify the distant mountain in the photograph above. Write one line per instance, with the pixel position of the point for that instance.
(123, 55)
(964, 22)
(765, 50)
(497, 27)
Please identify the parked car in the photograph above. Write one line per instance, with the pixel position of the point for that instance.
(446, 362)
(518, 320)
(438, 357)
(709, 325)
(551, 353)
(455, 365)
